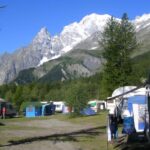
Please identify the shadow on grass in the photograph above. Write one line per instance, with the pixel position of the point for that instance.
(136, 146)
(70, 136)
(1, 124)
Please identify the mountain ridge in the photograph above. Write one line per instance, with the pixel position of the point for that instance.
(78, 35)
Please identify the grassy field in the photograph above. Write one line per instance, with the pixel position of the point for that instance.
(80, 133)
(66, 129)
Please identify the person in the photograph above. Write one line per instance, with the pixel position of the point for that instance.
(3, 112)
(113, 126)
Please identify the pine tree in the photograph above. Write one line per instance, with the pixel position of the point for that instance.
(118, 43)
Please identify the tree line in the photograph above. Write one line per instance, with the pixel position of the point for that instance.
(73, 92)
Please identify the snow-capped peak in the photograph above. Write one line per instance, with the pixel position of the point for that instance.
(93, 23)
(142, 22)
(142, 18)
(84, 34)
(77, 32)
(42, 35)
(95, 17)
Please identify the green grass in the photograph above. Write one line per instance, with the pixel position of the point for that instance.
(99, 119)
(95, 139)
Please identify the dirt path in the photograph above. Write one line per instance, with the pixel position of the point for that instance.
(40, 128)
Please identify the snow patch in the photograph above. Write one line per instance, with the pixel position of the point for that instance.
(146, 25)
(55, 57)
(43, 60)
(142, 18)
(94, 47)
(66, 49)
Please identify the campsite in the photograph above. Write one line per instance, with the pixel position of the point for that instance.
(57, 132)
(75, 75)
(60, 132)
(52, 124)
(43, 128)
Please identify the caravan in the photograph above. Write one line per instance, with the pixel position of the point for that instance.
(59, 106)
(97, 105)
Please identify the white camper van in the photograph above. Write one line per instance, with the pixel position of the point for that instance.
(59, 106)
(97, 105)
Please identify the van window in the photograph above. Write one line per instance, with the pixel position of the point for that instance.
(110, 101)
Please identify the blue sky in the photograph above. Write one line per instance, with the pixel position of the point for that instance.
(22, 19)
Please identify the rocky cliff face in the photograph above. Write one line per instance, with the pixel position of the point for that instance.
(26, 57)
(85, 34)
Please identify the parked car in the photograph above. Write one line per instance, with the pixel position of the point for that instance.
(10, 110)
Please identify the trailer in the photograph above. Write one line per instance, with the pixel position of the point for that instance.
(97, 105)
(59, 106)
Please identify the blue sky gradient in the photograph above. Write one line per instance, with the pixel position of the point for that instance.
(22, 19)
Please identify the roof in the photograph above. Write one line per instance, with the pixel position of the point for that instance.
(121, 90)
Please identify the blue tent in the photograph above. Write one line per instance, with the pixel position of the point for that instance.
(88, 111)
(33, 111)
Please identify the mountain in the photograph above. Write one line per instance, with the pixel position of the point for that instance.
(58, 51)
(142, 25)
(75, 64)
(26, 57)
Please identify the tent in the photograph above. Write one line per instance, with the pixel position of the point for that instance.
(48, 109)
(32, 109)
(88, 111)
